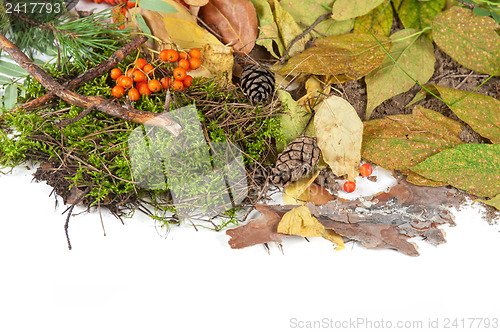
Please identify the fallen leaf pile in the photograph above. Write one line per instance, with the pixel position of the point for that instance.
(388, 220)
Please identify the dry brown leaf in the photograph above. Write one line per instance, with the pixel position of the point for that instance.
(388, 220)
(318, 195)
(235, 20)
(257, 231)
(340, 132)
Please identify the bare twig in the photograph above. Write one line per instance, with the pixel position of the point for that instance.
(101, 104)
(91, 73)
(303, 34)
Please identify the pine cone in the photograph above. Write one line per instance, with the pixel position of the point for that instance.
(298, 159)
(257, 83)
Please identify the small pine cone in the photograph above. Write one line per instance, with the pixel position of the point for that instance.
(326, 179)
(298, 158)
(257, 83)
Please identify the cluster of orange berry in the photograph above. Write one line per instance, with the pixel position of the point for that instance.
(186, 61)
(142, 75)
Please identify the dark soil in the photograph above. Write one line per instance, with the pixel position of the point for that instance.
(447, 73)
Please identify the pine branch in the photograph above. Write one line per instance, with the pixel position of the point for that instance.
(91, 73)
(103, 105)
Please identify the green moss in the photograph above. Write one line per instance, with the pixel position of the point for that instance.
(95, 148)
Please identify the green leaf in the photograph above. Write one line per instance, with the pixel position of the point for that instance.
(349, 56)
(268, 30)
(411, 53)
(306, 12)
(4, 80)
(288, 29)
(480, 11)
(418, 14)
(142, 25)
(346, 9)
(378, 21)
(469, 39)
(479, 111)
(495, 202)
(11, 69)
(398, 142)
(157, 6)
(10, 97)
(294, 120)
(471, 167)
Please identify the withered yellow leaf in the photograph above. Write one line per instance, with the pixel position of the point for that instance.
(340, 133)
(297, 193)
(299, 221)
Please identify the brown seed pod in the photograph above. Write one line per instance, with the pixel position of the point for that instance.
(298, 158)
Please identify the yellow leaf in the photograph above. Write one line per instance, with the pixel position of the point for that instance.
(218, 60)
(297, 193)
(288, 30)
(315, 93)
(187, 34)
(299, 221)
(340, 132)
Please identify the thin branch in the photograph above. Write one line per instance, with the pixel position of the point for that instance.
(103, 105)
(303, 34)
(90, 74)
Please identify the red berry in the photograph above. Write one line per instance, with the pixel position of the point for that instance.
(349, 186)
(187, 81)
(178, 85)
(166, 82)
(366, 169)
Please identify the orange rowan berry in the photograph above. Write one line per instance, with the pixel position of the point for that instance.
(133, 94)
(178, 85)
(187, 81)
(118, 91)
(195, 53)
(125, 81)
(194, 63)
(349, 186)
(130, 4)
(140, 63)
(143, 89)
(183, 63)
(183, 55)
(366, 169)
(154, 85)
(138, 76)
(166, 82)
(170, 55)
(115, 73)
(179, 73)
(149, 69)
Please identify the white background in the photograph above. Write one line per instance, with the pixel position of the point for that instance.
(139, 278)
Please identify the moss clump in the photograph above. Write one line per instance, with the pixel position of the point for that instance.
(93, 153)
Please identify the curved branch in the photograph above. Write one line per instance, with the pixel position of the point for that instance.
(100, 104)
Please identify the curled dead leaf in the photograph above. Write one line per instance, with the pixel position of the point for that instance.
(235, 20)
(340, 132)
(299, 221)
(257, 231)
